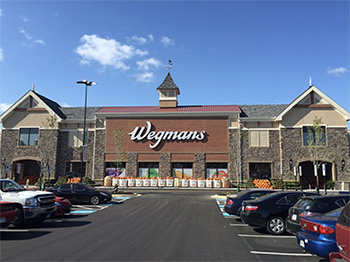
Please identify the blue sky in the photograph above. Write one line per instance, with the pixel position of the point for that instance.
(223, 52)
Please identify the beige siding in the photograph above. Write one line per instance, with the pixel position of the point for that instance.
(305, 116)
(26, 119)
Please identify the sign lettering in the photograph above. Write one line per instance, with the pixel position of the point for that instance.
(140, 133)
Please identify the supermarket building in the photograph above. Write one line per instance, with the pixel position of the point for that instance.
(237, 141)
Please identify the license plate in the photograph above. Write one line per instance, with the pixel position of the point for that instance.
(302, 244)
(294, 217)
(3, 219)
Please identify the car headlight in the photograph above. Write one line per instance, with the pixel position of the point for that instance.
(33, 202)
(58, 204)
(104, 194)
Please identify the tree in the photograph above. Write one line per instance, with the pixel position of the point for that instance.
(317, 145)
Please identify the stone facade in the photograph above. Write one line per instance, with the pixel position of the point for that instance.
(165, 165)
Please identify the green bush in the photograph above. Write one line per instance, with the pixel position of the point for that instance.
(277, 183)
(330, 184)
(88, 181)
(60, 181)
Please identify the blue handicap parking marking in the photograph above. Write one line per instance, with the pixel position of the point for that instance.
(121, 197)
(221, 205)
(83, 211)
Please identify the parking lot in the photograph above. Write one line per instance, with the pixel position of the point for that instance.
(156, 226)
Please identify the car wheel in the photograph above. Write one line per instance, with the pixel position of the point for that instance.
(275, 225)
(94, 200)
(19, 221)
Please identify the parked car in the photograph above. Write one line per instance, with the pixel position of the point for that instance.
(317, 233)
(32, 205)
(234, 202)
(8, 213)
(81, 193)
(270, 211)
(342, 235)
(312, 206)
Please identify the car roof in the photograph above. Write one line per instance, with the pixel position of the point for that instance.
(317, 197)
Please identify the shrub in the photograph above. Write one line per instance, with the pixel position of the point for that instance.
(60, 181)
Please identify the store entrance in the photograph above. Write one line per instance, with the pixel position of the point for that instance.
(25, 169)
(308, 178)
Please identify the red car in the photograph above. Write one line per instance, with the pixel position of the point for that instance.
(342, 232)
(63, 205)
(8, 213)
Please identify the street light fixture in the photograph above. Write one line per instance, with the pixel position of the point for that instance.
(86, 83)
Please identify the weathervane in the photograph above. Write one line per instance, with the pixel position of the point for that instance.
(170, 64)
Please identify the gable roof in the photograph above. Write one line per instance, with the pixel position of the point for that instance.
(52, 107)
(311, 89)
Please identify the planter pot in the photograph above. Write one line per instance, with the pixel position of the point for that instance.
(193, 183)
(184, 182)
(217, 183)
(146, 182)
(201, 183)
(131, 182)
(154, 182)
(122, 182)
(138, 182)
(209, 183)
(169, 182)
(115, 181)
(161, 182)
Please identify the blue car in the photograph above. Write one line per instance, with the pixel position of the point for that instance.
(317, 234)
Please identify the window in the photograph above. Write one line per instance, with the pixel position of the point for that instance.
(75, 138)
(310, 137)
(259, 138)
(28, 136)
(182, 170)
(168, 94)
(260, 170)
(73, 169)
(341, 202)
(214, 170)
(115, 169)
(148, 169)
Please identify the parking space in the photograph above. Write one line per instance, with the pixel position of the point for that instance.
(262, 244)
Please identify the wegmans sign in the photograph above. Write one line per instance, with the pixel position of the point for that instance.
(141, 133)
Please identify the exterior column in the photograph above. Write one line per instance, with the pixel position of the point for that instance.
(165, 165)
(199, 165)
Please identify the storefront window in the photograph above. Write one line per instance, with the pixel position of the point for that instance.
(182, 170)
(214, 170)
(115, 169)
(260, 170)
(73, 169)
(147, 169)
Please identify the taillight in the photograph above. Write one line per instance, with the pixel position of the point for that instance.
(315, 227)
(251, 208)
(229, 202)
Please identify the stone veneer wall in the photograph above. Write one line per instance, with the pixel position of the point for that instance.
(165, 165)
(338, 148)
(131, 165)
(46, 149)
(270, 154)
(99, 172)
(199, 165)
(235, 155)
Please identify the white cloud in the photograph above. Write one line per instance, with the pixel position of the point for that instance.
(32, 40)
(150, 37)
(138, 40)
(4, 107)
(1, 14)
(145, 64)
(145, 77)
(1, 55)
(166, 41)
(65, 105)
(337, 71)
(107, 52)
(24, 18)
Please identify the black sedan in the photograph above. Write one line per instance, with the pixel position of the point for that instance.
(234, 202)
(81, 193)
(312, 206)
(270, 211)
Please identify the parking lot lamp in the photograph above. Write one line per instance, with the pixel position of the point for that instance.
(86, 83)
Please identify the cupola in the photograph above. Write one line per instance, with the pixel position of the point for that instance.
(168, 92)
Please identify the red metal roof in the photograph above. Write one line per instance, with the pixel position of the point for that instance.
(179, 109)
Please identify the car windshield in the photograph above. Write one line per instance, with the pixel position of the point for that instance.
(10, 186)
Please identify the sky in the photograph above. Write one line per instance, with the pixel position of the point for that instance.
(222, 52)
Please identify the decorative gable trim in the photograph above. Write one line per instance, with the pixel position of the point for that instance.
(312, 90)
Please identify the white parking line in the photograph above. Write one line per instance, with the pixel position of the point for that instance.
(239, 225)
(281, 254)
(267, 236)
(84, 207)
(14, 230)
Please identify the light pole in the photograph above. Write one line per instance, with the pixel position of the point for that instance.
(86, 83)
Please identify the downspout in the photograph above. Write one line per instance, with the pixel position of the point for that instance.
(281, 155)
(94, 154)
